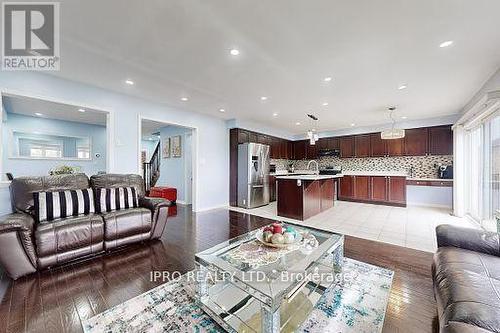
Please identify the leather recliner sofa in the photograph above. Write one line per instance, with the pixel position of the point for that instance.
(27, 246)
(466, 278)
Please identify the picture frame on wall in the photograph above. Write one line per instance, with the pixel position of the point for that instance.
(176, 146)
(166, 148)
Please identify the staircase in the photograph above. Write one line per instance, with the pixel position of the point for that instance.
(151, 169)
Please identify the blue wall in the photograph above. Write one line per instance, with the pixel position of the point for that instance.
(149, 146)
(173, 169)
(29, 167)
(211, 138)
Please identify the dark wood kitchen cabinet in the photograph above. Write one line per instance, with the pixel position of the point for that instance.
(378, 188)
(322, 144)
(416, 141)
(362, 145)
(311, 151)
(361, 188)
(440, 140)
(346, 187)
(395, 147)
(378, 147)
(300, 149)
(396, 192)
(384, 148)
(346, 145)
(385, 190)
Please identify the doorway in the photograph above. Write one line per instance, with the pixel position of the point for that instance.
(167, 158)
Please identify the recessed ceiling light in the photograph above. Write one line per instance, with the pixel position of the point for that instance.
(275, 114)
(234, 52)
(297, 123)
(81, 110)
(184, 99)
(404, 117)
(263, 98)
(446, 44)
(222, 110)
(38, 114)
(353, 124)
(403, 86)
(327, 79)
(129, 82)
(325, 104)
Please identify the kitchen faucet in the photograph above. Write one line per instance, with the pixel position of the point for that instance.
(317, 166)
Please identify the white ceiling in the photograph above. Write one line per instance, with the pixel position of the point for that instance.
(181, 48)
(150, 127)
(30, 106)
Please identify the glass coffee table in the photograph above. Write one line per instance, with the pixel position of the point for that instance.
(246, 286)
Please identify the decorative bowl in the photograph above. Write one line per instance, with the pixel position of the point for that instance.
(260, 237)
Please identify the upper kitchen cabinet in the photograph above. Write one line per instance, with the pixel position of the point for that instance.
(346, 145)
(440, 140)
(311, 151)
(395, 147)
(333, 143)
(362, 145)
(415, 142)
(300, 149)
(322, 144)
(378, 147)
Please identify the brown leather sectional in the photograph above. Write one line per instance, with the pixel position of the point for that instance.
(466, 276)
(26, 246)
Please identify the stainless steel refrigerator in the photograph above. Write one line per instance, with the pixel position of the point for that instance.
(253, 175)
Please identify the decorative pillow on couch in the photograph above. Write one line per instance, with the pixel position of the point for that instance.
(59, 204)
(109, 199)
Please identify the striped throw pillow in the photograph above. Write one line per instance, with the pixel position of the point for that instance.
(109, 199)
(60, 204)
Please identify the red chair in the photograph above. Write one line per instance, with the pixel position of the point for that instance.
(169, 193)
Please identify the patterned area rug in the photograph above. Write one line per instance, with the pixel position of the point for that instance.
(357, 305)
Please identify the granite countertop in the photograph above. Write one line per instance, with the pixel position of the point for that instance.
(431, 179)
(310, 177)
(297, 172)
(376, 173)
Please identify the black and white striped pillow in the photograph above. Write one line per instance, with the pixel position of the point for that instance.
(109, 199)
(53, 205)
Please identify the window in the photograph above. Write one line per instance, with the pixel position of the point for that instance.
(83, 152)
(41, 149)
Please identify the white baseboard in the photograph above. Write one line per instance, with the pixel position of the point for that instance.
(415, 204)
(211, 208)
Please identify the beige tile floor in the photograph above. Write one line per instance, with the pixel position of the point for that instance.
(411, 227)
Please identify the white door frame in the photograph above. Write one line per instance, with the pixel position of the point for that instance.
(194, 150)
(110, 122)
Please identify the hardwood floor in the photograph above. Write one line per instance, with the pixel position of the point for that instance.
(57, 300)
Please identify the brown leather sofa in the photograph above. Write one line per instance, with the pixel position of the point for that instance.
(466, 278)
(26, 246)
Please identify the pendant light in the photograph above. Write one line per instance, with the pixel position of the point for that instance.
(311, 134)
(393, 133)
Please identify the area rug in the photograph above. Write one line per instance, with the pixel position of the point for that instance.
(356, 305)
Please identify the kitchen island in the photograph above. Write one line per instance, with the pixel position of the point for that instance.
(303, 196)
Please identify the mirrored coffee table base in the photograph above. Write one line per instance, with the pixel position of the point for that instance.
(241, 306)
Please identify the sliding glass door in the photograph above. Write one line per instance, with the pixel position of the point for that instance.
(492, 170)
(483, 171)
(474, 171)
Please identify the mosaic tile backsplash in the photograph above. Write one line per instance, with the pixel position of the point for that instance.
(423, 166)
